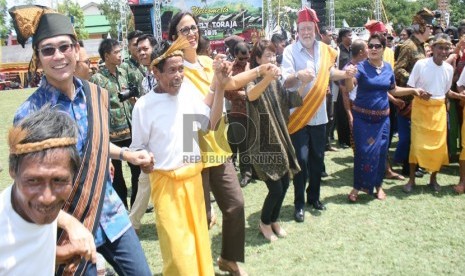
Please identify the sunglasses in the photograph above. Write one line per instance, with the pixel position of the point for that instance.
(185, 31)
(49, 51)
(243, 58)
(375, 46)
(87, 61)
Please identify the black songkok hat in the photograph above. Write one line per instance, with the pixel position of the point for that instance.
(39, 22)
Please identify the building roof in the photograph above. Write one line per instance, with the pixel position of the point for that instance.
(95, 20)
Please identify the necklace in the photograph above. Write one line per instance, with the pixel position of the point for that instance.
(378, 68)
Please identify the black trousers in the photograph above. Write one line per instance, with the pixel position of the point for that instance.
(274, 199)
(309, 145)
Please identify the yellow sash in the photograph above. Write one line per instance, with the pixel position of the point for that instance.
(213, 144)
(317, 93)
(388, 56)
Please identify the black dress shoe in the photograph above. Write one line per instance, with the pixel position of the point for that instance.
(324, 174)
(299, 215)
(245, 181)
(318, 205)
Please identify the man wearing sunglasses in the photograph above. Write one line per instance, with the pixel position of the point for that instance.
(410, 52)
(93, 200)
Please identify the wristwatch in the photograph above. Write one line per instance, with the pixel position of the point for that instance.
(121, 153)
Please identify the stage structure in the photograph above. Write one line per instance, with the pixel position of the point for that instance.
(216, 19)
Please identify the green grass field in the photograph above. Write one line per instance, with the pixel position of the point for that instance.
(417, 234)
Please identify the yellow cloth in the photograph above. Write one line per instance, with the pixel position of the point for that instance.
(462, 139)
(213, 144)
(314, 98)
(428, 146)
(388, 56)
(181, 221)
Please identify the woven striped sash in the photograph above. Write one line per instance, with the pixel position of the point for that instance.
(314, 98)
(86, 199)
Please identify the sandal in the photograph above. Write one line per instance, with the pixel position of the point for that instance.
(395, 176)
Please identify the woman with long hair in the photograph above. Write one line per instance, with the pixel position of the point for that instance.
(218, 174)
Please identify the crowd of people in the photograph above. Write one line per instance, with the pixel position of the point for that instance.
(191, 125)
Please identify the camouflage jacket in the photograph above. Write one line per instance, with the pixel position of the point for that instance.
(135, 73)
(410, 52)
(120, 112)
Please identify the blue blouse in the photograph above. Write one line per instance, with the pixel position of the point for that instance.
(373, 87)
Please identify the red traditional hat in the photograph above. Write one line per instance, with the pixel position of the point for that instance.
(374, 26)
(306, 14)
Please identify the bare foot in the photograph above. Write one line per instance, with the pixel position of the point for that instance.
(278, 230)
(267, 232)
(459, 188)
(435, 186)
(381, 194)
(353, 195)
(408, 187)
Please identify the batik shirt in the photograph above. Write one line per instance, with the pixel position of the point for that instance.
(410, 52)
(114, 220)
(135, 73)
(120, 112)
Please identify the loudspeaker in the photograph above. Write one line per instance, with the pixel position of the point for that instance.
(320, 8)
(142, 19)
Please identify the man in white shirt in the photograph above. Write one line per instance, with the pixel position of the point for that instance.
(167, 121)
(145, 47)
(43, 161)
(428, 146)
(308, 64)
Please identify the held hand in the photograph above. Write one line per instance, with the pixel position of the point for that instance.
(148, 168)
(351, 71)
(266, 69)
(223, 69)
(306, 76)
(273, 72)
(140, 157)
(81, 241)
(423, 94)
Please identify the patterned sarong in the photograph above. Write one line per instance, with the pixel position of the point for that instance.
(371, 135)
